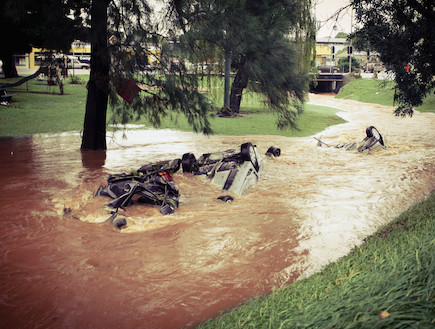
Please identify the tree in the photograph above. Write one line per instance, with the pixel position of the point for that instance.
(275, 61)
(402, 32)
(344, 63)
(164, 88)
(94, 127)
(342, 35)
(269, 43)
(46, 24)
(129, 59)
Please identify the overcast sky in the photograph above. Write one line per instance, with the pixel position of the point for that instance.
(325, 9)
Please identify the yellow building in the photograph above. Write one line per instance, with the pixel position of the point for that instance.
(323, 53)
(79, 49)
(327, 50)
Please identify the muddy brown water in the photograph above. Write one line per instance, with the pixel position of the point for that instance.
(310, 206)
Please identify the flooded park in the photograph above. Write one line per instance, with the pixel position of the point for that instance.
(311, 205)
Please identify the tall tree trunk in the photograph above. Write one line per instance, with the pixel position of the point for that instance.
(9, 68)
(94, 129)
(240, 82)
(227, 78)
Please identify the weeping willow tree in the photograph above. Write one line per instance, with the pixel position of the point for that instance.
(268, 43)
(136, 72)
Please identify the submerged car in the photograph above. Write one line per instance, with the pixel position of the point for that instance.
(373, 142)
(232, 170)
(153, 184)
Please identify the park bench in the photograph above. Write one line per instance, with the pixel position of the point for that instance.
(5, 97)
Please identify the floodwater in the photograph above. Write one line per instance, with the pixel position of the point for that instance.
(311, 206)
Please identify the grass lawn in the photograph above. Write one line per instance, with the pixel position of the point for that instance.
(379, 92)
(39, 109)
(388, 282)
(260, 121)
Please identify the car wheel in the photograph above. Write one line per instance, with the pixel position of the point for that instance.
(226, 198)
(188, 162)
(275, 151)
(373, 132)
(120, 222)
(248, 154)
(166, 210)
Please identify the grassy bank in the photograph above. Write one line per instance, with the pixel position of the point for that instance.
(37, 108)
(379, 92)
(388, 282)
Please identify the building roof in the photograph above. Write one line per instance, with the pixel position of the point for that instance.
(337, 41)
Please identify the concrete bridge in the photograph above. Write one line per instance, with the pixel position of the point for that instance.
(328, 79)
(327, 82)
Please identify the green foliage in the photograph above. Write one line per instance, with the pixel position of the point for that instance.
(136, 58)
(46, 24)
(76, 80)
(344, 63)
(155, 64)
(342, 35)
(402, 32)
(387, 282)
(270, 44)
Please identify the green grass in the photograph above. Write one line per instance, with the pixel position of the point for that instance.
(255, 121)
(388, 282)
(38, 109)
(379, 92)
